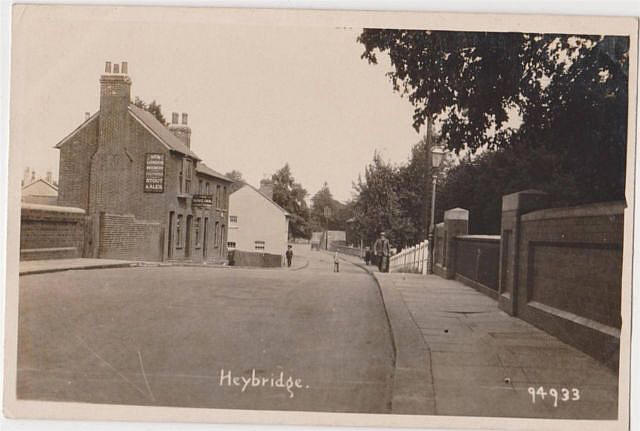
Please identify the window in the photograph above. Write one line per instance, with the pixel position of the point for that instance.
(216, 235)
(196, 229)
(200, 187)
(233, 219)
(218, 196)
(224, 197)
(231, 245)
(259, 245)
(206, 190)
(179, 231)
(188, 174)
(181, 179)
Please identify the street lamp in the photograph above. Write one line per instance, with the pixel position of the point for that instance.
(437, 154)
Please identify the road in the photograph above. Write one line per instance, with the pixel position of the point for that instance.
(186, 336)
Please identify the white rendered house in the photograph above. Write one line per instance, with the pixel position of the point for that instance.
(256, 222)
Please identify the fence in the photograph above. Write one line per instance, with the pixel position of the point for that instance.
(477, 262)
(413, 259)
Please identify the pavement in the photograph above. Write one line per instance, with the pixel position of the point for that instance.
(182, 336)
(458, 354)
(28, 267)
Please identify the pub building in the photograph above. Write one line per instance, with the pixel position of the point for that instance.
(146, 194)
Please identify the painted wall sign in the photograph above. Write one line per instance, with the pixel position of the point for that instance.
(202, 201)
(154, 173)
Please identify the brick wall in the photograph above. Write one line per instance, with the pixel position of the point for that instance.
(125, 237)
(477, 259)
(51, 232)
(248, 258)
(75, 166)
(569, 275)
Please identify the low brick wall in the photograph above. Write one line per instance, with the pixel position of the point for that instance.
(249, 258)
(477, 262)
(569, 275)
(51, 232)
(125, 237)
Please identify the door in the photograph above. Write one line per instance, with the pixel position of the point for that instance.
(171, 228)
(187, 237)
(205, 242)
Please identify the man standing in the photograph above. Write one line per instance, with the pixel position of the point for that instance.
(289, 255)
(381, 249)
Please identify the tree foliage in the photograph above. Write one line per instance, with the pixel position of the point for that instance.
(339, 213)
(290, 195)
(153, 107)
(568, 94)
(236, 176)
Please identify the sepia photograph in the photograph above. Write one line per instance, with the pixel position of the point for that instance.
(397, 219)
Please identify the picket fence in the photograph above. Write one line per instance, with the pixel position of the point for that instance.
(413, 259)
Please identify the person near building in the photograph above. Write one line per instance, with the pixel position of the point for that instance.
(336, 262)
(367, 255)
(289, 255)
(382, 250)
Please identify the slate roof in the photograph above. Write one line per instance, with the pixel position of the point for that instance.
(159, 129)
(204, 169)
(242, 184)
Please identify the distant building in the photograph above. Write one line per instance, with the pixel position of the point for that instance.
(148, 194)
(40, 191)
(256, 222)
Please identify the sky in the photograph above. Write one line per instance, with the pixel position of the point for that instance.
(258, 96)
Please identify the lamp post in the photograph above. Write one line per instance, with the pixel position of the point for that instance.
(437, 153)
(327, 214)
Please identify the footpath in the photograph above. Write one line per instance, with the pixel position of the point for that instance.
(458, 354)
(29, 267)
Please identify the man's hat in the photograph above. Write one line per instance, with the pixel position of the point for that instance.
(382, 233)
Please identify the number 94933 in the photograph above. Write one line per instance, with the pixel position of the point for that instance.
(558, 395)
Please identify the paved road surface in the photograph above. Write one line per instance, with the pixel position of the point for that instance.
(162, 336)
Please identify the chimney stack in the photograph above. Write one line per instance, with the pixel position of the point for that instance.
(87, 115)
(115, 89)
(48, 178)
(266, 188)
(182, 131)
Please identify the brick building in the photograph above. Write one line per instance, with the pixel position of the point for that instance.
(147, 195)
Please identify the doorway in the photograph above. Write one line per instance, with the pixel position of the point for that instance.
(170, 236)
(187, 237)
(205, 242)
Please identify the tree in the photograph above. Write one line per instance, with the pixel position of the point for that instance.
(378, 207)
(569, 91)
(153, 107)
(337, 218)
(236, 176)
(290, 195)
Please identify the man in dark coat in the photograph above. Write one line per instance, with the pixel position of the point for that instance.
(289, 255)
(382, 250)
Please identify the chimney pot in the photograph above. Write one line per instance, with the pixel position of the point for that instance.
(184, 118)
(174, 118)
(107, 67)
(87, 115)
(116, 68)
(125, 67)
